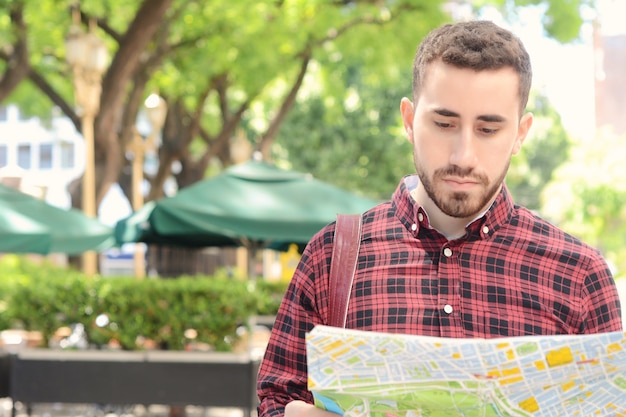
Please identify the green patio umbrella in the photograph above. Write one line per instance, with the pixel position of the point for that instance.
(21, 234)
(254, 203)
(139, 227)
(30, 225)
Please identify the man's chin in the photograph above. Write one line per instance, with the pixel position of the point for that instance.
(459, 208)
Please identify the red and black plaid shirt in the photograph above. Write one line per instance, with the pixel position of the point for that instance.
(512, 274)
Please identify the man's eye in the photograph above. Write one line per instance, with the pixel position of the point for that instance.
(488, 131)
(443, 125)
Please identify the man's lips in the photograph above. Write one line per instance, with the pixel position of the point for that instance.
(460, 183)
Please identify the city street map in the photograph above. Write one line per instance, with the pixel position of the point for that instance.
(360, 373)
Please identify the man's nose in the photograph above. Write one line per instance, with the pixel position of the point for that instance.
(464, 150)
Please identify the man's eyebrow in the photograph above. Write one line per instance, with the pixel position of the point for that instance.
(446, 113)
(493, 118)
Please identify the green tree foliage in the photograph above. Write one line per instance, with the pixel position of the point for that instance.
(214, 62)
(560, 20)
(545, 149)
(588, 196)
(356, 143)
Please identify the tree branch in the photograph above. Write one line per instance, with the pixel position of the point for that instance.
(272, 130)
(335, 33)
(55, 97)
(18, 62)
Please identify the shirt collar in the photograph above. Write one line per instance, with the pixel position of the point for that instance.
(413, 216)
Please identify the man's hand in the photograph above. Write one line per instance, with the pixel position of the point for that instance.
(301, 409)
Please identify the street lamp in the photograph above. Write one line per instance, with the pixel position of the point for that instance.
(240, 148)
(156, 111)
(87, 55)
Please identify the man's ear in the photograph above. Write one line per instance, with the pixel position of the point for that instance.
(406, 110)
(522, 131)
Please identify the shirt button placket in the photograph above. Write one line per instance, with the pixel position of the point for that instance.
(450, 272)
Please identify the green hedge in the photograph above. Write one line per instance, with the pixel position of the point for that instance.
(166, 312)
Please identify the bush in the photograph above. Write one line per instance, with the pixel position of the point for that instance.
(134, 313)
(270, 295)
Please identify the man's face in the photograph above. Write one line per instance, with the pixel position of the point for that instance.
(464, 128)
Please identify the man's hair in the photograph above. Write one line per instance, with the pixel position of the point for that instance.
(478, 45)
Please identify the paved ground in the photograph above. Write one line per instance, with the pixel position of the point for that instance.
(256, 346)
(92, 410)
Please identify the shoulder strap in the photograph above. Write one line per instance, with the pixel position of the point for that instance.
(343, 266)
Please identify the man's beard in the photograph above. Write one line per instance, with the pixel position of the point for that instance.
(459, 204)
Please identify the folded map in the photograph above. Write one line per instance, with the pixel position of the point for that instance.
(360, 373)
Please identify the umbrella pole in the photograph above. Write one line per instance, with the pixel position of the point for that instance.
(252, 256)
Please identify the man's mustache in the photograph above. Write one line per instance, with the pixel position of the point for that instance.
(456, 171)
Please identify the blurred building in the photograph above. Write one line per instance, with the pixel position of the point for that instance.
(39, 157)
(610, 81)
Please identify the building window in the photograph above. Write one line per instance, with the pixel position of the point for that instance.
(3, 156)
(67, 155)
(45, 156)
(23, 156)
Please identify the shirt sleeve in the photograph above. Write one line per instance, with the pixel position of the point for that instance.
(282, 376)
(602, 299)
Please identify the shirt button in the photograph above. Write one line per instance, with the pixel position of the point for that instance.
(485, 229)
(447, 309)
(420, 217)
(447, 252)
(413, 227)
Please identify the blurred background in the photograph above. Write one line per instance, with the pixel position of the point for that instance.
(165, 138)
(133, 101)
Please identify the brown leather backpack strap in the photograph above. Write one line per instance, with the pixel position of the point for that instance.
(343, 266)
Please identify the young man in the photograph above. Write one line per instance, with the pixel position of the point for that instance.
(450, 255)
